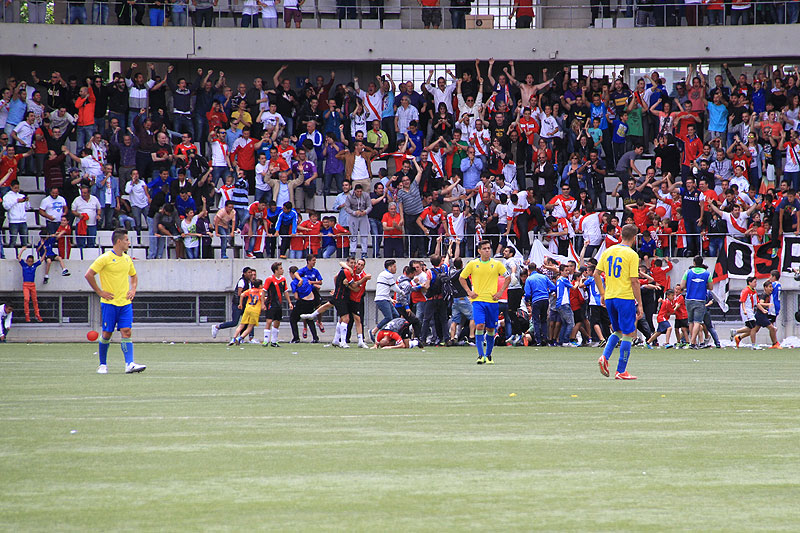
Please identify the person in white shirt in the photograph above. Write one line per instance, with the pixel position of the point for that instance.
(139, 196)
(740, 179)
(504, 214)
(23, 132)
(6, 316)
(405, 114)
(262, 176)
(16, 205)
(518, 205)
(591, 227)
(220, 155)
(373, 101)
(269, 15)
(472, 107)
(88, 205)
(442, 93)
(52, 208)
(736, 219)
(454, 229)
(385, 287)
(271, 119)
(501, 186)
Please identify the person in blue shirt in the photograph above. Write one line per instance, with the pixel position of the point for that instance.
(619, 133)
(29, 284)
(696, 282)
(537, 295)
(314, 278)
(185, 202)
(45, 248)
(775, 277)
(563, 307)
(286, 225)
(416, 136)
(598, 314)
(303, 292)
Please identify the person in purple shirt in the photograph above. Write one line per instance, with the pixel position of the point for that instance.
(308, 170)
(334, 168)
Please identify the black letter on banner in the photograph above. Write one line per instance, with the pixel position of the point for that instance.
(791, 252)
(740, 259)
(767, 258)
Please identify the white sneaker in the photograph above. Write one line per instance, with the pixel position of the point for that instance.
(254, 341)
(102, 369)
(363, 345)
(307, 316)
(132, 368)
(214, 331)
(343, 344)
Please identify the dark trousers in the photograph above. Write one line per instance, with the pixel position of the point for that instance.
(302, 307)
(415, 244)
(523, 243)
(412, 319)
(435, 313)
(392, 247)
(539, 320)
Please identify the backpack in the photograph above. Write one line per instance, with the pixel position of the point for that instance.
(442, 286)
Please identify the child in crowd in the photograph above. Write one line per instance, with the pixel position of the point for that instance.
(29, 284)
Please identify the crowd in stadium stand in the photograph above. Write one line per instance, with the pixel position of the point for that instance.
(491, 153)
(265, 13)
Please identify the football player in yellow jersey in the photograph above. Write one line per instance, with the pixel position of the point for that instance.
(118, 282)
(621, 294)
(253, 301)
(484, 273)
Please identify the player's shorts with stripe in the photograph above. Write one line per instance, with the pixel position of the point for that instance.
(251, 315)
(486, 313)
(622, 313)
(116, 316)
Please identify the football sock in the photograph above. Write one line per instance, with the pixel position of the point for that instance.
(266, 335)
(613, 340)
(314, 315)
(337, 332)
(479, 337)
(275, 332)
(360, 338)
(127, 350)
(624, 353)
(103, 349)
(489, 341)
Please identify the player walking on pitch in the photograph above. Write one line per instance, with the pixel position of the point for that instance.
(118, 282)
(622, 296)
(484, 273)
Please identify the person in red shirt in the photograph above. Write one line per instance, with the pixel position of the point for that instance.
(183, 149)
(692, 148)
(392, 222)
(64, 238)
(681, 316)
(430, 222)
(357, 280)
(11, 162)
(640, 213)
(342, 241)
(667, 308)
(523, 9)
(258, 218)
(659, 273)
(298, 244)
(243, 155)
(311, 230)
(216, 117)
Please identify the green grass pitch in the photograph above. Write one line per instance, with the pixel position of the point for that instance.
(306, 438)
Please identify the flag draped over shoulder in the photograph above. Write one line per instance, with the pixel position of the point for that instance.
(719, 290)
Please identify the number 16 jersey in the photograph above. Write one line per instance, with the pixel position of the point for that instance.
(619, 263)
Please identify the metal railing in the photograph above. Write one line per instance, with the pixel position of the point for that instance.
(394, 14)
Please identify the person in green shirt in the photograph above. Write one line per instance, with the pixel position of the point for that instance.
(459, 151)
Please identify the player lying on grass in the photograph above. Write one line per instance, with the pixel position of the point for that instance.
(395, 334)
(254, 298)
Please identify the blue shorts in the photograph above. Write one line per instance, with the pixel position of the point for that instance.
(622, 313)
(115, 316)
(663, 326)
(486, 313)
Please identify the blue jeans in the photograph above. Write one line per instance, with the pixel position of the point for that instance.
(740, 15)
(100, 13)
(714, 245)
(793, 178)
(539, 320)
(224, 236)
(715, 17)
(248, 20)
(179, 18)
(567, 323)
(218, 174)
(76, 13)
(84, 136)
(335, 178)
(193, 253)
(17, 228)
(157, 16)
(183, 124)
(89, 240)
(296, 254)
(792, 11)
(376, 229)
(388, 311)
(328, 251)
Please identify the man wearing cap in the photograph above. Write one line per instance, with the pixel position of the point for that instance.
(244, 283)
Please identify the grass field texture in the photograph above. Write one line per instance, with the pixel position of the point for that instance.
(307, 438)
